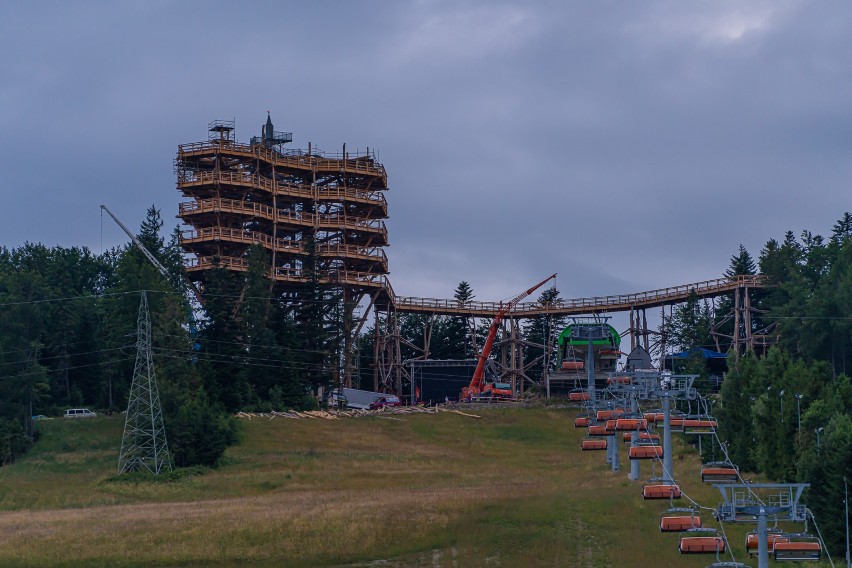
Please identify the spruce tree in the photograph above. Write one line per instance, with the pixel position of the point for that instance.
(842, 230)
(690, 326)
(313, 312)
(221, 339)
(741, 264)
(453, 335)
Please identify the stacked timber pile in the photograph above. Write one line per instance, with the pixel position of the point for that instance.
(338, 414)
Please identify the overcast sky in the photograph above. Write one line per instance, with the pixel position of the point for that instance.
(625, 145)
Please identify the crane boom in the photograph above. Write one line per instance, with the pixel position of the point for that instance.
(477, 382)
(139, 244)
(151, 258)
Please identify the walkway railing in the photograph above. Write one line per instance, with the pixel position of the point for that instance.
(287, 274)
(579, 306)
(190, 178)
(363, 165)
(299, 218)
(207, 234)
(569, 307)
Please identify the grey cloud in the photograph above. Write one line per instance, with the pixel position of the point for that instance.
(625, 145)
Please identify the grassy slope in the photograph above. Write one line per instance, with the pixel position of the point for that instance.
(431, 490)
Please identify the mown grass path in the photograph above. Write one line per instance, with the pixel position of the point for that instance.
(511, 489)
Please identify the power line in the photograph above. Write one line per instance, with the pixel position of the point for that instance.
(68, 298)
(290, 366)
(49, 371)
(245, 345)
(49, 347)
(69, 355)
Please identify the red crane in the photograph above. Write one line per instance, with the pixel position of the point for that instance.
(477, 384)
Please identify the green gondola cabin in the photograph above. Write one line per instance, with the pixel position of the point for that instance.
(570, 369)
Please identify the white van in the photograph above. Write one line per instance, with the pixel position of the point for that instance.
(79, 413)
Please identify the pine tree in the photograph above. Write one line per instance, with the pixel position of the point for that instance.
(453, 336)
(223, 350)
(199, 432)
(313, 312)
(735, 411)
(842, 230)
(690, 326)
(741, 264)
(824, 468)
(816, 257)
(264, 368)
(149, 232)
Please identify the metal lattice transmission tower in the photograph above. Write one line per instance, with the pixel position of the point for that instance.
(144, 445)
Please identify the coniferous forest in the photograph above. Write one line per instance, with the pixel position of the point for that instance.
(69, 316)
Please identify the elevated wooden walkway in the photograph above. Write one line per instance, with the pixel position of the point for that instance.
(357, 165)
(191, 179)
(283, 216)
(215, 234)
(387, 300)
(577, 306)
(365, 280)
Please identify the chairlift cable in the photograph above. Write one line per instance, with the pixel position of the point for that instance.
(821, 540)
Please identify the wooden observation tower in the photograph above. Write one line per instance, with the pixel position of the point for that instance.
(306, 208)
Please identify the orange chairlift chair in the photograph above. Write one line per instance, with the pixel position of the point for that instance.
(598, 430)
(658, 488)
(702, 424)
(679, 519)
(645, 452)
(578, 395)
(719, 472)
(773, 536)
(618, 380)
(650, 438)
(630, 423)
(656, 415)
(609, 413)
(797, 548)
(590, 444)
(701, 541)
(676, 423)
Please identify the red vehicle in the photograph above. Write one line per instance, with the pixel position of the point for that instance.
(387, 400)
